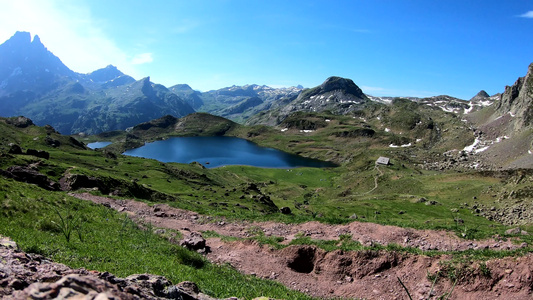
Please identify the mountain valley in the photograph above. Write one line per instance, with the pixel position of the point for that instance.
(454, 201)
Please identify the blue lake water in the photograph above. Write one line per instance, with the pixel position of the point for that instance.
(220, 151)
(98, 145)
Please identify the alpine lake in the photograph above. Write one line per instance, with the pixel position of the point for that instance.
(217, 151)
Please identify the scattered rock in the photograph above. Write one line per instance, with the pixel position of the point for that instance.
(20, 122)
(15, 149)
(52, 142)
(195, 241)
(421, 200)
(31, 276)
(516, 231)
(38, 153)
(71, 182)
(29, 175)
(285, 210)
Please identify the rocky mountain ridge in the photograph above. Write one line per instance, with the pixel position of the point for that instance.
(35, 83)
(236, 103)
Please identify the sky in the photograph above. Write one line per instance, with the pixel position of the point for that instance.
(388, 48)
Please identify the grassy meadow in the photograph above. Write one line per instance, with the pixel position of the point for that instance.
(401, 194)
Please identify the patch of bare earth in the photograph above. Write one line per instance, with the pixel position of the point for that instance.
(363, 274)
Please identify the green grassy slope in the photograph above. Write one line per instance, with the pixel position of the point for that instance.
(337, 195)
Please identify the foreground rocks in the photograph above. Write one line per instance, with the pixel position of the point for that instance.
(32, 276)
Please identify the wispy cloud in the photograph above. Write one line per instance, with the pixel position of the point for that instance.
(371, 89)
(186, 26)
(360, 30)
(68, 30)
(142, 58)
(394, 92)
(528, 14)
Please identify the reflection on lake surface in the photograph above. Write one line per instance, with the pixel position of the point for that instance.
(220, 151)
(98, 145)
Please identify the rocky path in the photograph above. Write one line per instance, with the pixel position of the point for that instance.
(164, 216)
(365, 274)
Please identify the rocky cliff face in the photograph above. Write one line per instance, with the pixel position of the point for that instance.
(517, 100)
(502, 130)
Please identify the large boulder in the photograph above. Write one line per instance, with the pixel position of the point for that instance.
(25, 174)
(194, 241)
(71, 182)
(20, 122)
(38, 153)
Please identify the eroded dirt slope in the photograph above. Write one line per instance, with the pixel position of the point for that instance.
(365, 274)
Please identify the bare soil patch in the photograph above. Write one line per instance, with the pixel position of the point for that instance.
(363, 274)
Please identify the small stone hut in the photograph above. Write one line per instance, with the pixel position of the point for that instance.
(383, 161)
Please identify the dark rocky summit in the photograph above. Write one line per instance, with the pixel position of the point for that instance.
(480, 96)
(337, 95)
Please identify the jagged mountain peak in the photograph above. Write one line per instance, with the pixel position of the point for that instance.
(108, 73)
(37, 41)
(481, 95)
(19, 38)
(28, 65)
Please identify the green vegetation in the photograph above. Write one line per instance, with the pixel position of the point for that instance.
(111, 242)
(403, 194)
(336, 195)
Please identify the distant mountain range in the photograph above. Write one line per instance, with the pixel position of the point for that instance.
(36, 84)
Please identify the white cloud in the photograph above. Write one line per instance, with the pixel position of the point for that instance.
(68, 30)
(369, 89)
(360, 30)
(529, 14)
(186, 26)
(394, 92)
(142, 58)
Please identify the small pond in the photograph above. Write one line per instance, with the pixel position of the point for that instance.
(98, 145)
(219, 151)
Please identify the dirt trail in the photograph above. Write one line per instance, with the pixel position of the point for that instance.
(376, 178)
(366, 274)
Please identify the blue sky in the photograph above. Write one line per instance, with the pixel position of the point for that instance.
(389, 48)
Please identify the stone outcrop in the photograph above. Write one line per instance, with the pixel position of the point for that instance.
(20, 122)
(517, 100)
(32, 276)
(38, 153)
(28, 175)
